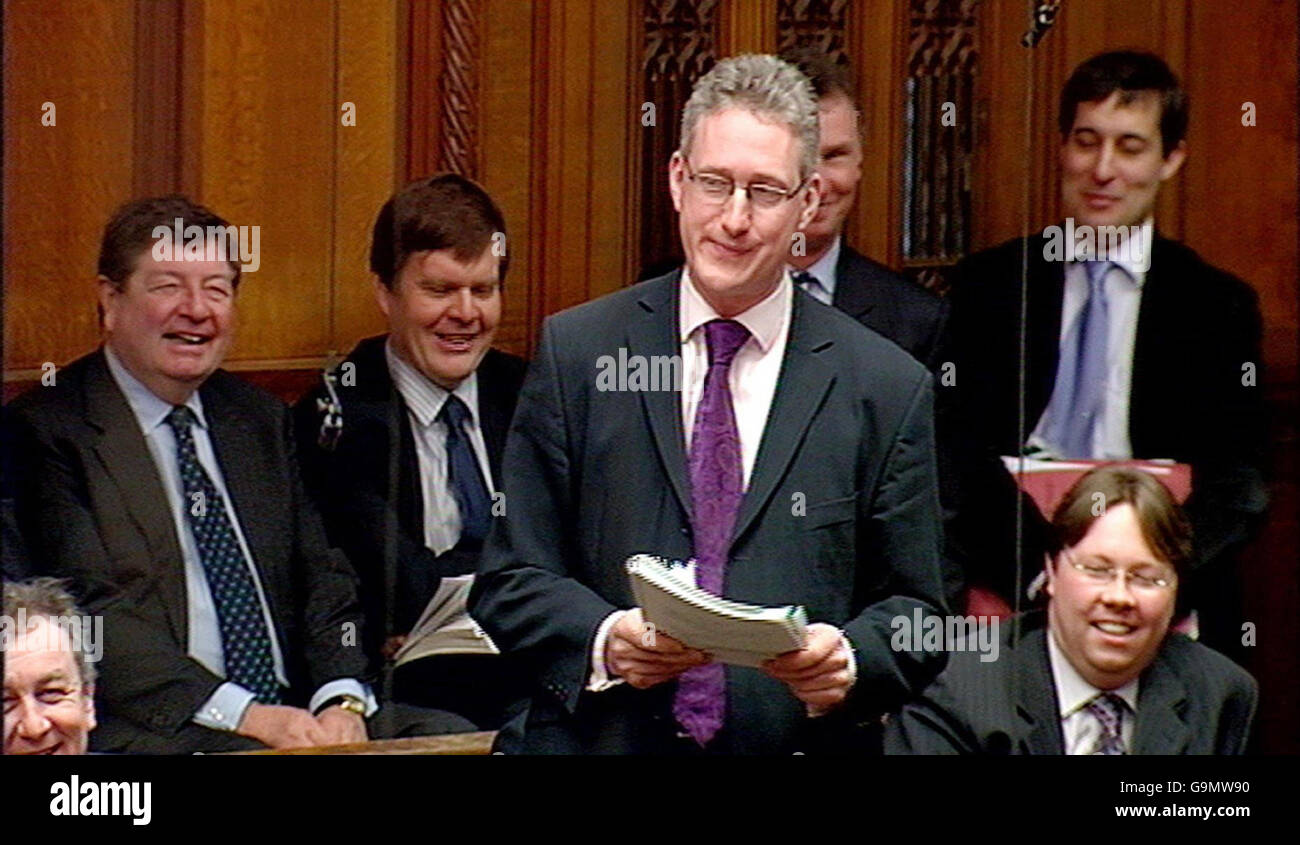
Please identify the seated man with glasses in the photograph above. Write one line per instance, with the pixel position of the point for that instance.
(1103, 675)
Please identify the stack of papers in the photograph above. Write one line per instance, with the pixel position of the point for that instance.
(445, 626)
(732, 632)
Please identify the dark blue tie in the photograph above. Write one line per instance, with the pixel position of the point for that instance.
(463, 473)
(245, 641)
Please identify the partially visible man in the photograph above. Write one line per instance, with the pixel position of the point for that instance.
(167, 491)
(831, 270)
(49, 678)
(837, 510)
(1134, 346)
(404, 467)
(1105, 675)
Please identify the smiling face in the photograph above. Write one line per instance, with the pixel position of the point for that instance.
(1109, 632)
(171, 322)
(1112, 163)
(47, 708)
(443, 313)
(736, 252)
(840, 168)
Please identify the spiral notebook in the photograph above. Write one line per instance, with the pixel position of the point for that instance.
(733, 632)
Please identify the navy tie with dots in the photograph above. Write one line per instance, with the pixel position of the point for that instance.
(245, 641)
(464, 475)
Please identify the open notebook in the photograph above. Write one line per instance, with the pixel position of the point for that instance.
(445, 626)
(733, 632)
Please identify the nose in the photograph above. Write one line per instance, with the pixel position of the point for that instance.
(463, 307)
(736, 212)
(32, 724)
(1117, 592)
(195, 305)
(1103, 169)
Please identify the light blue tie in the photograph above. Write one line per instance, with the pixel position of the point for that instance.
(1078, 400)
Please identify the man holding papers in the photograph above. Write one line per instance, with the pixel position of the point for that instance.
(788, 452)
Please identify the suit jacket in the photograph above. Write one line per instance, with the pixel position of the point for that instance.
(1191, 700)
(1197, 327)
(368, 486)
(592, 477)
(892, 305)
(93, 508)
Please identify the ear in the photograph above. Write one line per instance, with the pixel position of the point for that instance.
(383, 295)
(811, 200)
(107, 296)
(1173, 161)
(1050, 569)
(90, 707)
(676, 176)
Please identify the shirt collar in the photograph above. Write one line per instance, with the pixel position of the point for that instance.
(764, 320)
(424, 397)
(1136, 269)
(823, 269)
(1072, 691)
(150, 411)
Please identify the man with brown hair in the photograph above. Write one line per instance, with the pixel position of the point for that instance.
(404, 465)
(168, 492)
(1104, 675)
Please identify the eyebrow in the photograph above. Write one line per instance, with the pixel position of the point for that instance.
(758, 178)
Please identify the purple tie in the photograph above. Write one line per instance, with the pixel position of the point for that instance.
(717, 486)
(1108, 710)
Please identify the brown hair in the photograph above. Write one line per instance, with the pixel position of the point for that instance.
(445, 211)
(1132, 73)
(1163, 524)
(130, 232)
(827, 76)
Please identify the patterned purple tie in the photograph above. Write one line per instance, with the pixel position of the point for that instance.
(1108, 710)
(717, 486)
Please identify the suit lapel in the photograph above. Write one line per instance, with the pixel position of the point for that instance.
(800, 388)
(493, 411)
(1046, 295)
(654, 332)
(853, 291)
(1159, 304)
(1036, 705)
(1162, 703)
(125, 456)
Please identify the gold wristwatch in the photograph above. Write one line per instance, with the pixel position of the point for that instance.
(350, 703)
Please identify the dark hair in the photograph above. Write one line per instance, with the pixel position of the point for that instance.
(46, 597)
(445, 211)
(827, 76)
(1132, 73)
(130, 232)
(1163, 524)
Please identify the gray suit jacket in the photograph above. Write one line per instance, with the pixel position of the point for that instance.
(93, 509)
(896, 307)
(1191, 700)
(592, 477)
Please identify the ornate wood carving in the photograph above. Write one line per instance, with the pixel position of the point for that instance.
(819, 24)
(460, 59)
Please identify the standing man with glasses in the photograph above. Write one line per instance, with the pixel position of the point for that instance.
(836, 510)
(1103, 675)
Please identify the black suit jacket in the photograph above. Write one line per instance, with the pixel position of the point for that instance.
(92, 506)
(592, 477)
(368, 485)
(892, 305)
(1197, 327)
(1191, 700)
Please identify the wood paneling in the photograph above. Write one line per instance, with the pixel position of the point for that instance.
(63, 181)
(746, 26)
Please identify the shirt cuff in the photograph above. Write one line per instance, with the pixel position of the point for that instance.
(344, 686)
(600, 679)
(814, 711)
(224, 709)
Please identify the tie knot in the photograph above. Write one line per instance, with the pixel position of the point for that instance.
(1097, 271)
(454, 412)
(1107, 707)
(804, 279)
(181, 419)
(725, 337)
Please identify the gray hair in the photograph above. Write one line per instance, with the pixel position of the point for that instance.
(47, 597)
(767, 87)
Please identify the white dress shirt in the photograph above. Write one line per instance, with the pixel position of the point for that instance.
(225, 708)
(1110, 437)
(424, 400)
(1079, 728)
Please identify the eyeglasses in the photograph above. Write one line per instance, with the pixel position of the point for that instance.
(716, 190)
(1099, 572)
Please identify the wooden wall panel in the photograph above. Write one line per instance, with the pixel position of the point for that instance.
(367, 166)
(61, 181)
(746, 26)
(265, 134)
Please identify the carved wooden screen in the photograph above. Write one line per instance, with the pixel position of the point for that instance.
(938, 135)
(819, 24)
(680, 38)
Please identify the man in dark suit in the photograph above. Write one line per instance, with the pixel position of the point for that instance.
(378, 463)
(1135, 347)
(831, 270)
(836, 510)
(1101, 674)
(168, 492)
